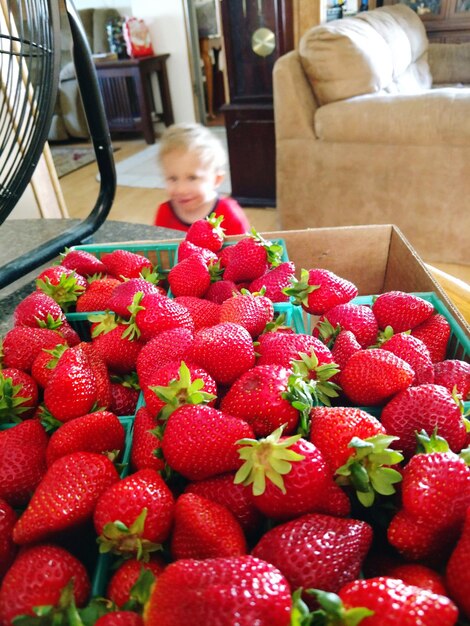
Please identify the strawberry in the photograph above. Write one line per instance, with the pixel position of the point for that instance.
(452, 373)
(153, 313)
(175, 385)
(225, 254)
(234, 497)
(22, 461)
(274, 281)
(18, 395)
(428, 408)
(281, 348)
(204, 312)
(126, 576)
(125, 264)
(207, 233)
(115, 345)
(203, 529)
(419, 576)
(41, 311)
(221, 290)
(125, 392)
(145, 442)
(391, 602)
(123, 295)
(435, 332)
(199, 441)
(252, 311)
(186, 249)
(7, 547)
(43, 576)
(357, 318)
(72, 389)
(316, 551)
(167, 346)
(66, 496)
(45, 363)
(22, 344)
(100, 372)
(402, 311)
(100, 432)
(83, 262)
(62, 284)
(344, 347)
(251, 257)
(134, 515)
(225, 351)
(319, 290)
(299, 479)
(457, 578)
(215, 590)
(415, 353)
(120, 618)
(371, 377)
(97, 295)
(190, 277)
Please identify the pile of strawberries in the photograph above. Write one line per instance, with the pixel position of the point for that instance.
(261, 487)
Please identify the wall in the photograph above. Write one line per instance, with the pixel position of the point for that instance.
(165, 19)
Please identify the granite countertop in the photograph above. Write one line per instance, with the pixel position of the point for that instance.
(18, 237)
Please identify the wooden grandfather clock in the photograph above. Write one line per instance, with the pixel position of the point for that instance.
(256, 33)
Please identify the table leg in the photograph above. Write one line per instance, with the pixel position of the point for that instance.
(143, 93)
(165, 95)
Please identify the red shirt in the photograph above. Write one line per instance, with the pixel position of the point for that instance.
(235, 221)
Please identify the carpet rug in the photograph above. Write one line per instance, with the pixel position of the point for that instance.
(142, 169)
(68, 159)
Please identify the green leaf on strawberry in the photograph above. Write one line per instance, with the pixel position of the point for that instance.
(127, 541)
(64, 613)
(332, 610)
(11, 403)
(273, 250)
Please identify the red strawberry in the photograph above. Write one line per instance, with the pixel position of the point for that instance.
(251, 257)
(45, 363)
(419, 576)
(123, 295)
(7, 547)
(207, 233)
(225, 351)
(225, 254)
(155, 313)
(299, 479)
(113, 343)
(145, 442)
(167, 346)
(135, 514)
(125, 264)
(37, 578)
(415, 353)
(274, 281)
(357, 318)
(204, 312)
(22, 344)
(125, 392)
(435, 333)
(66, 496)
(18, 395)
(83, 262)
(39, 310)
(99, 432)
(221, 290)
(234, 497)
(251, 311)
(392, 602)
(371, 377)
(319, 290)
(97, 295)
(203, 529)
(402, 311)
(425, 407)
(62, 284)
(454, 373)
(199, 441)
(344, 347)
(190, 277)
(127, 574)
(186, 249)
(120, 618)
(281, 348)
(72, 389)
(457, 576)
(214, 590)
(317, 551)
(22, 461)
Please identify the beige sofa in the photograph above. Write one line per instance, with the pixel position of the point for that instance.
(373, 126)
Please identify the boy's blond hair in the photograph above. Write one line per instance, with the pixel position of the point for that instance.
(194, 138)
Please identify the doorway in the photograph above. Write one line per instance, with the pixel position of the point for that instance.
(204, 29)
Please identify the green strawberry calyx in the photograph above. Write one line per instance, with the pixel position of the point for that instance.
(216, 224)
(133, 331)
(152, 275)
(104, 323)
(11, 403)
(140, 592)
(48, 421)
(53, 323)
(368, 471)
(181, 391)
(216, 272)
(273, 250)
(65, 292)
(129, 381)
(300, 289)
(331, 611)
(269, 458)
(278, 324)
(127, 540)
(64, 613)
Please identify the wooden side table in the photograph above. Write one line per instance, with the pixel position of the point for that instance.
(126, 88)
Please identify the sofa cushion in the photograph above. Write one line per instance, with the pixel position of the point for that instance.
(438, 117)
(384, 50)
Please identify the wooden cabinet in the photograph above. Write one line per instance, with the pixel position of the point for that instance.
(256, 33)
(446, 21)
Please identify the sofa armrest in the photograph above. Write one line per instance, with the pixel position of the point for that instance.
(449, 63)
(294, 102)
